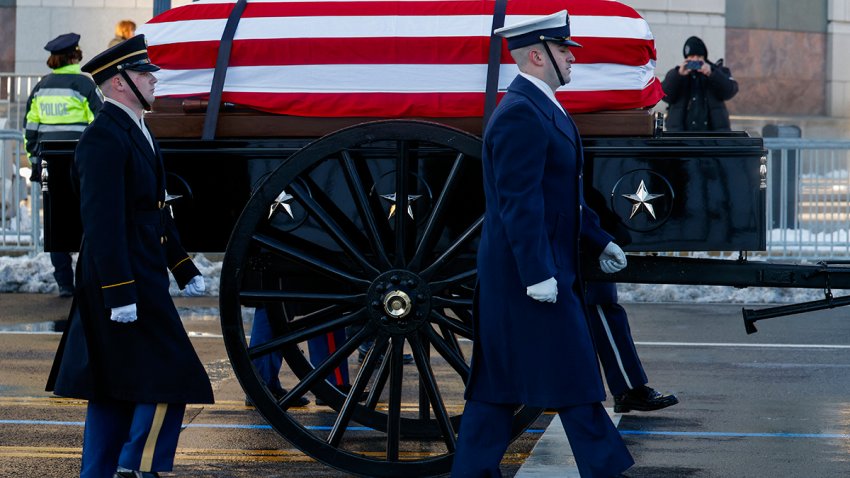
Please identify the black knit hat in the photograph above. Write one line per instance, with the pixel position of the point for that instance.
(694, 46)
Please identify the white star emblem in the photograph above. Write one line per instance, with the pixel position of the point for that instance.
(640, 199)
(279, 202)
(392, 198)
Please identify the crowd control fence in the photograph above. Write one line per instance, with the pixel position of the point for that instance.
(20, 224)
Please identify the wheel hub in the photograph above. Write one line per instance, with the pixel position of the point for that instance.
(399, 301)
(397, 304)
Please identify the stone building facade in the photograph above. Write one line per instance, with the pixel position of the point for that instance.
(788, 56)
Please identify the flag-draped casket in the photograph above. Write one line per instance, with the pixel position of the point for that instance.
(391, 59)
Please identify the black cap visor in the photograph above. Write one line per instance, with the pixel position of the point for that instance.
(561, 41)
(143, 65)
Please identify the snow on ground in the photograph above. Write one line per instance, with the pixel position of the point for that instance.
(34, 275)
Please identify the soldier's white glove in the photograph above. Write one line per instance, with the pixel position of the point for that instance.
(612, 259)
(195, 287)
(124, 314)
(546, 291)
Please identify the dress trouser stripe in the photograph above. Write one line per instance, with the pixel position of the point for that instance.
(150, 443)
(613, 346)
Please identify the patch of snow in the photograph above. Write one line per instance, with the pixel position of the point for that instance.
(35, 275)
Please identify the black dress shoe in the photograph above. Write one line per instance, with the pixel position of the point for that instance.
(302, 401)
(346, 389)
(643, 399)
(135, 474)
(65, 291)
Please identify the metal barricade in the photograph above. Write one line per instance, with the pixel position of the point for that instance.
(20, 225)
(14, 91)
(808, 202)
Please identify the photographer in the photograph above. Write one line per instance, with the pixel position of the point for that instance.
(696, 91)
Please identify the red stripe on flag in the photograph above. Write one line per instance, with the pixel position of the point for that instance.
(426, 105)
(624, 51)
(326, 51)
(198, 11)
(395, 51)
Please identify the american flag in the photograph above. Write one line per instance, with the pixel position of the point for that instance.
(392, 58)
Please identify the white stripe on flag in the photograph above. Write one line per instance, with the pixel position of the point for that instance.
(388, 79)
(376, 27)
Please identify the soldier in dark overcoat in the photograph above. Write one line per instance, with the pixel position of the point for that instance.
(125, 349)
(533, 343)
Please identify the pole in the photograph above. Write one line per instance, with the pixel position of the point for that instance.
(160, 6)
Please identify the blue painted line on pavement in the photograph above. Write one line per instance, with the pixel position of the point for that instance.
(736, 434)
(40, 422)
(531, 430)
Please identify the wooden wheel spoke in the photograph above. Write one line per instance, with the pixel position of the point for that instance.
(470, 233)
(302, 335)
(331, 226)
(363, 375)
(401, 203)
(455, 280)
(279, 247)
(452, 325)
(383, 375)
(365, 208)
(319, 373)
(440, 301)
(280, 296)
(394, 411)
(451, 341)
(429, 382)
(453, 358)
(318, 317)
(434, 219)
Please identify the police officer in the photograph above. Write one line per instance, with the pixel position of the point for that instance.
(125, 349)
(529, 313)
(60, 107)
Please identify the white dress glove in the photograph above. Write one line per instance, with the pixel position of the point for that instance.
(546, 291)
(612, 259)
(195, 287)
(124, 314)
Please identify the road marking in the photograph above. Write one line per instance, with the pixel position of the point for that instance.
(744, 345)
(204, 455)
(241, 426)
(829, 436)
(552, 455)
(223, 405)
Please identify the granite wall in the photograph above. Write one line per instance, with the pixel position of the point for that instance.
(778, 72)
(7, 35)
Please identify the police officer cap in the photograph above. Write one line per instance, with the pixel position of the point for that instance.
(66, 41)
(554, 28)
(131, 54)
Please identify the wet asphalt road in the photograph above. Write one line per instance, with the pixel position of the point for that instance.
(772, 404)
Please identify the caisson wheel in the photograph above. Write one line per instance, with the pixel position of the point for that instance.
(365, 240)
